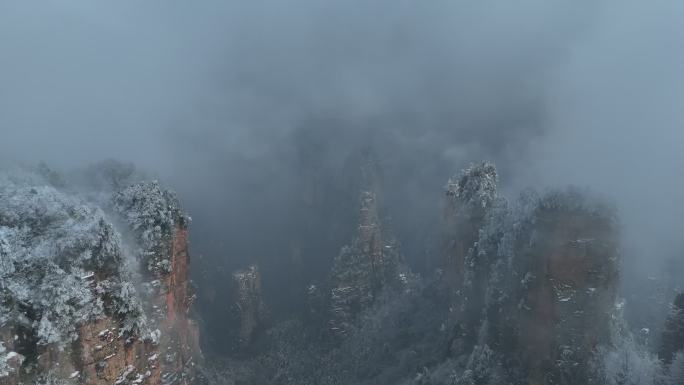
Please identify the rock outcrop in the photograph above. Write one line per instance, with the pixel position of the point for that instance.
(569, 256)
(369, 264)
(248, 304)
(161, 231)
(469, 197)
(74, 307)
(534, 286)
(472, 205)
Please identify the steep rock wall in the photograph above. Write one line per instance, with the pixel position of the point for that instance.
(161, 231)
(568, 291)
(469, 197)
(534, 293)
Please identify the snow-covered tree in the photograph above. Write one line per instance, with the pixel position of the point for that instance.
(61, 260)
(629, 363)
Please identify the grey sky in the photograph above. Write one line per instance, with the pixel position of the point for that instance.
(556, 92)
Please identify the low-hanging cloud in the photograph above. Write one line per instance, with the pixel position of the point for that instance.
(241, 104)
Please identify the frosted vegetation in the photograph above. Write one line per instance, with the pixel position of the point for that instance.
(63, 262)
(475, 185)
(152, 213)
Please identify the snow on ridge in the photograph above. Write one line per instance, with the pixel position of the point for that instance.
(50, 239)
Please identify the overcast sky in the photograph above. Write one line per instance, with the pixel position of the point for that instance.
(225, 97)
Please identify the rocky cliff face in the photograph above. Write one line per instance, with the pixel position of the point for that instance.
(76, 309)
(568, 290)
(535, 285)
(161, 231)
(469, 197)
(468, 252)
(371, 263)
